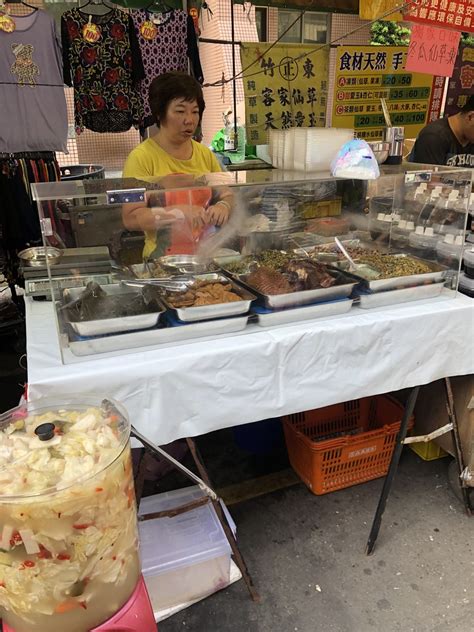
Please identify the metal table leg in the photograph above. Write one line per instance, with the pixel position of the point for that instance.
(402, 433)
(457, 443)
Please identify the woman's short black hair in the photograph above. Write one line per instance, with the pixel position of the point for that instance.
(173, 85)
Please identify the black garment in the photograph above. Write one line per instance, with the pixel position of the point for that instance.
(105, 73)
(437, 145)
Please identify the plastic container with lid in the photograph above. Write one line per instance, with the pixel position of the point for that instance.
(423, 245)
(466, 285)
(469, 262)
(185, 557)
(69, 547)
(449, 251)
(399, 235)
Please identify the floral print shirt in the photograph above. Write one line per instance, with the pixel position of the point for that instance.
(105, 73)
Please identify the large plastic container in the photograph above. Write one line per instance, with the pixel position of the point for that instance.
(342, 445)
(469, 262)
(69, 543)
(449, 251)
(186, 557)
(466, 285)
(423, 246)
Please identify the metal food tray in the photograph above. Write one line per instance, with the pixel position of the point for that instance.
(308, 312)
(437, 275)
(162, 335)
(295, 299)
(106, 326)
(219, 310)
(404, 295)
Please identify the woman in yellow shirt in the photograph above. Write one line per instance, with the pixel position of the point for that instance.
(175, 159)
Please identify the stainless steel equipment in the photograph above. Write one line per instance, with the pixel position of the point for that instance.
(76, 268)
(395, 136)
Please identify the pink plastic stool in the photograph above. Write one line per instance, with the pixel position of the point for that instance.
(135, 616)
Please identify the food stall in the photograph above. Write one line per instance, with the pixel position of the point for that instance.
(300, 327)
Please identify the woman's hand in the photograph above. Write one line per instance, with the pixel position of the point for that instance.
(219, 213)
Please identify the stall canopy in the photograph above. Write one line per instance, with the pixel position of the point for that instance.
(326, 6)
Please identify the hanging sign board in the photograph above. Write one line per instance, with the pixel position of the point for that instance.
(461, 84)
(450, 14)
(365, 74)
(374, 9)
(432, 50)
(284, 87)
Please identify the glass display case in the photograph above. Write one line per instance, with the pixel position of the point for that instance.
(134, 264)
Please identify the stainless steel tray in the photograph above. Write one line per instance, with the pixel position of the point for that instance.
(110, 325)
(309, 312)
(294, 299)
(404, 295)
(152, 337)
(437, 275)
(219, 310)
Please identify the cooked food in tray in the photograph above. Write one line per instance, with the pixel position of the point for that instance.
(93, 303)
(389, 266)
(203, 293)
(269, 281)
(392, 265)
(295, 276)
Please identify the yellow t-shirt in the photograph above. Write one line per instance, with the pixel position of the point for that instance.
(149, 160)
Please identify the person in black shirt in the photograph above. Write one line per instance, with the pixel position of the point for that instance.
(448, 141)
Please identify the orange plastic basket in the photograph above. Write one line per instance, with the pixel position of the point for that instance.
(369, 428)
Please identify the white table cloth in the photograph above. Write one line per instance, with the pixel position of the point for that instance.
(191, 389)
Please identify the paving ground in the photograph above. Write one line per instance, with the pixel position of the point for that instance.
(306, 555)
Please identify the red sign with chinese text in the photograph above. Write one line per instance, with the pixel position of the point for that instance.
(461, 84)
(450, 14)
(432, 51)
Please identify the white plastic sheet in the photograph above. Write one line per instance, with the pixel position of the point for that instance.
(188, 390)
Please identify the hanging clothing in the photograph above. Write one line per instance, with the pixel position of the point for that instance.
(105, 67)
(19, 220)
(33, 109)
(165, 48)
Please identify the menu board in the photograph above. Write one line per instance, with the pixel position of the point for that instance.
(461, 84)
(285, 86)
(451, 14)
(365, 74)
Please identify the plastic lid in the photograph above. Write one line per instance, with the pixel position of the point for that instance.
(411, 225)
(465, 283)
(453, 195)
(429, 231)
(402, 223)
(193, 537)
(45, 450)
(449, 239)
(420, 230)
(459, 240)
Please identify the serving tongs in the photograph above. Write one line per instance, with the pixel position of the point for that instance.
(171, 284)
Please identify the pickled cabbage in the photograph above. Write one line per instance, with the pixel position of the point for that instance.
(68, 534)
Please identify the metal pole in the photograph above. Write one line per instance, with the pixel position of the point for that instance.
(402, 433)
(234, 72)
(457, 443)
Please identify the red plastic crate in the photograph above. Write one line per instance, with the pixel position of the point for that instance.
(327, 464)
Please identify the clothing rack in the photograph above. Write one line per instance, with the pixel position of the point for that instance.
(28, 155)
